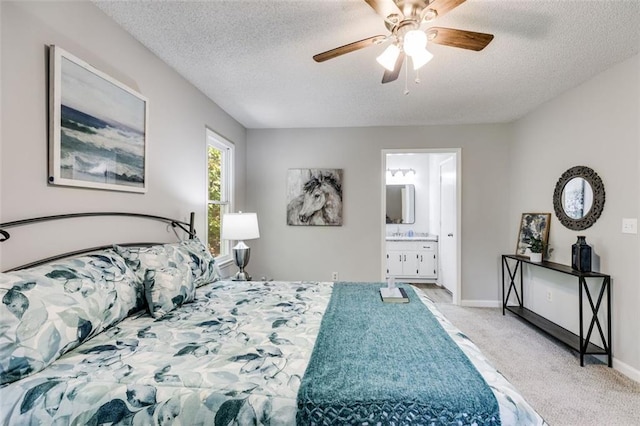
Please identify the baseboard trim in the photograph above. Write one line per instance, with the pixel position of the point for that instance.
(481, 303)
(623, 368)
(627, 370)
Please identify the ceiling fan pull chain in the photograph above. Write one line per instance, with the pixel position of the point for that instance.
(406, 74)
(417, 80)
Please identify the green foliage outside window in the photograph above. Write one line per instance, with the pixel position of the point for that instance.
(214, 213)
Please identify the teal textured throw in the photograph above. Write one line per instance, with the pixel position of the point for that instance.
(389, 363)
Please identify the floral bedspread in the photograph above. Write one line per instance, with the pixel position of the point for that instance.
(238, 352)
(236, 355)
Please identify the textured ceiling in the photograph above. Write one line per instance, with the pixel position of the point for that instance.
(254, 58)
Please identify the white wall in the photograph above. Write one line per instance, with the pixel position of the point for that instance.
(594, 125)
(178, 114)
(354, 249)
(420, 163)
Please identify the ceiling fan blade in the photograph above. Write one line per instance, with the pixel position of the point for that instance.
(385, 8)
(459, 38)
(347, 48)
(390, 76)
(444, 6)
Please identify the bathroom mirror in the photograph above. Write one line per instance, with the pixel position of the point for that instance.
(400, 204)
(578, 198)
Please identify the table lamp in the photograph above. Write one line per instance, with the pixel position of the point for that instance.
(239, 227)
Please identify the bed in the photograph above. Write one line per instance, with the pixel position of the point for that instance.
(152, 335)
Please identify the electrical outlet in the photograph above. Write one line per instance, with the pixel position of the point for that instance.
(549, 298)
(334, 276)
(629, 225)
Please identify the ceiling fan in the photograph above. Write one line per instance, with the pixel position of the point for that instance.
(403, 18)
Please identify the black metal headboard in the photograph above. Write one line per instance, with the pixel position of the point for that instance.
(188, 227)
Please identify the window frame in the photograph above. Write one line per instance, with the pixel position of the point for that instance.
(227, 148)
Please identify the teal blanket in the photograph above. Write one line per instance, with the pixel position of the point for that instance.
(389, 363)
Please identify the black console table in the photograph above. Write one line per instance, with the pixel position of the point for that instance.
(512, 263)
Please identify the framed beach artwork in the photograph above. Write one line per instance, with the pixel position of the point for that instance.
(532, 225)
(314, 197)
(97, 129)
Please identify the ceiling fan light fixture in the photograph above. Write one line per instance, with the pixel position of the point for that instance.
(388, 58)
(420, 59)
(414, 42)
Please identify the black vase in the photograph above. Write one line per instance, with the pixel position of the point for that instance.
(581, 255)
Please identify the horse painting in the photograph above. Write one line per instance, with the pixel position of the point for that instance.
(315, 197)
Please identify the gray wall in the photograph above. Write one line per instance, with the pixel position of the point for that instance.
(594, 125)
(354, 249)
(178, 114)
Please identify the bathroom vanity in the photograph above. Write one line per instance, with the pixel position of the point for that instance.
(414, 258)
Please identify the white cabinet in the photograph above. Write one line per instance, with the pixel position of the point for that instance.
(428, 259)
(401, 263)
(412, 259)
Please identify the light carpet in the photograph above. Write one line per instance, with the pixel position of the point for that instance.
(548, 373)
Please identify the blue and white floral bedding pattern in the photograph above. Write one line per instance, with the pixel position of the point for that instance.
(48, 310)
(238, 352)
(170, 273)
(236, 355)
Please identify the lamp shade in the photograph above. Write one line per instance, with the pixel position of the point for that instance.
(240, 226)
(388, 58)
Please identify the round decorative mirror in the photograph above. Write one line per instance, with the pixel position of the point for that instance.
(578, 198)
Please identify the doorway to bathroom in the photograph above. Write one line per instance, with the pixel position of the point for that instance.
(421, 216)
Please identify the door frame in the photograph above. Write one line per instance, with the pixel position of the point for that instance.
(456, 296)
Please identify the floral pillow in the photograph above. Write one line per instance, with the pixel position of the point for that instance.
(167, 289)
(165, 273)
(48, 310)
(204, 269)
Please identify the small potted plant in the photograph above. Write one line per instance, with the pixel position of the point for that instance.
(536, 247)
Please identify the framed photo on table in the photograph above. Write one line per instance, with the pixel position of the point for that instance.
(532, 225)
(97, 129)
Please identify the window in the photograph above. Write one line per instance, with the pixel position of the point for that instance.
(219, 173)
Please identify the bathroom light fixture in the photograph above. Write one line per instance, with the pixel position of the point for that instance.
(239, 227)
(405, 172)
